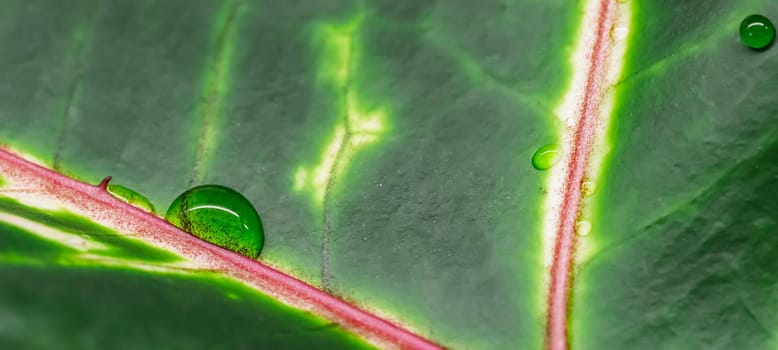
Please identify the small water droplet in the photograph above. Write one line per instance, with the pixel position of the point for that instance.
(588, 187)
(545, 157)
(219, 215)
(130, 197)
(757, 32)
(583, 227)
(619, 32)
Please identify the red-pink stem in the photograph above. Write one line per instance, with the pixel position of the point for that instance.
(94, 202)
(103, 185)
(557, 336)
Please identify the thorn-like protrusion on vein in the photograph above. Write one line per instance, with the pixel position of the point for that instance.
(103, 185)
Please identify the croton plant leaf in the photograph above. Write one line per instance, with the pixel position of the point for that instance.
(388, 147)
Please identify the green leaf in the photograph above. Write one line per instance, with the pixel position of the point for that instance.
(407, 214)
(71, 284)
(387, 147)
(685, 217)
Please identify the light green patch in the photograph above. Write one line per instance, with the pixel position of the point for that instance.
(18, 241)
(152, 310)
(7, 259)
(358, 127)
(90, 261)
(66, 224)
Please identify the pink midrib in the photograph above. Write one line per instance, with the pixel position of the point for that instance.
(561, 276)
(94, 202)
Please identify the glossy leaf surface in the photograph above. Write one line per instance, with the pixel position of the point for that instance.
(387, 147)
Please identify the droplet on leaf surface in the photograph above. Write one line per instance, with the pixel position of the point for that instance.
(219, 215)
(130, 197)
(619, 32)
(757, 32)
(583, 227)
(588, 187)
(545, 157)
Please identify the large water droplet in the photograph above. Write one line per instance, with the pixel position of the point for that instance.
(757, 32)
(545, 157)
(130, 197)
(219, 215)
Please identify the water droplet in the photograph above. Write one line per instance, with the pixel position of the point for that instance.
(219, 215)
(545, 157)
(757, 32)
(583, 227)
(588, 187)
(619, 32)
(130, 197)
